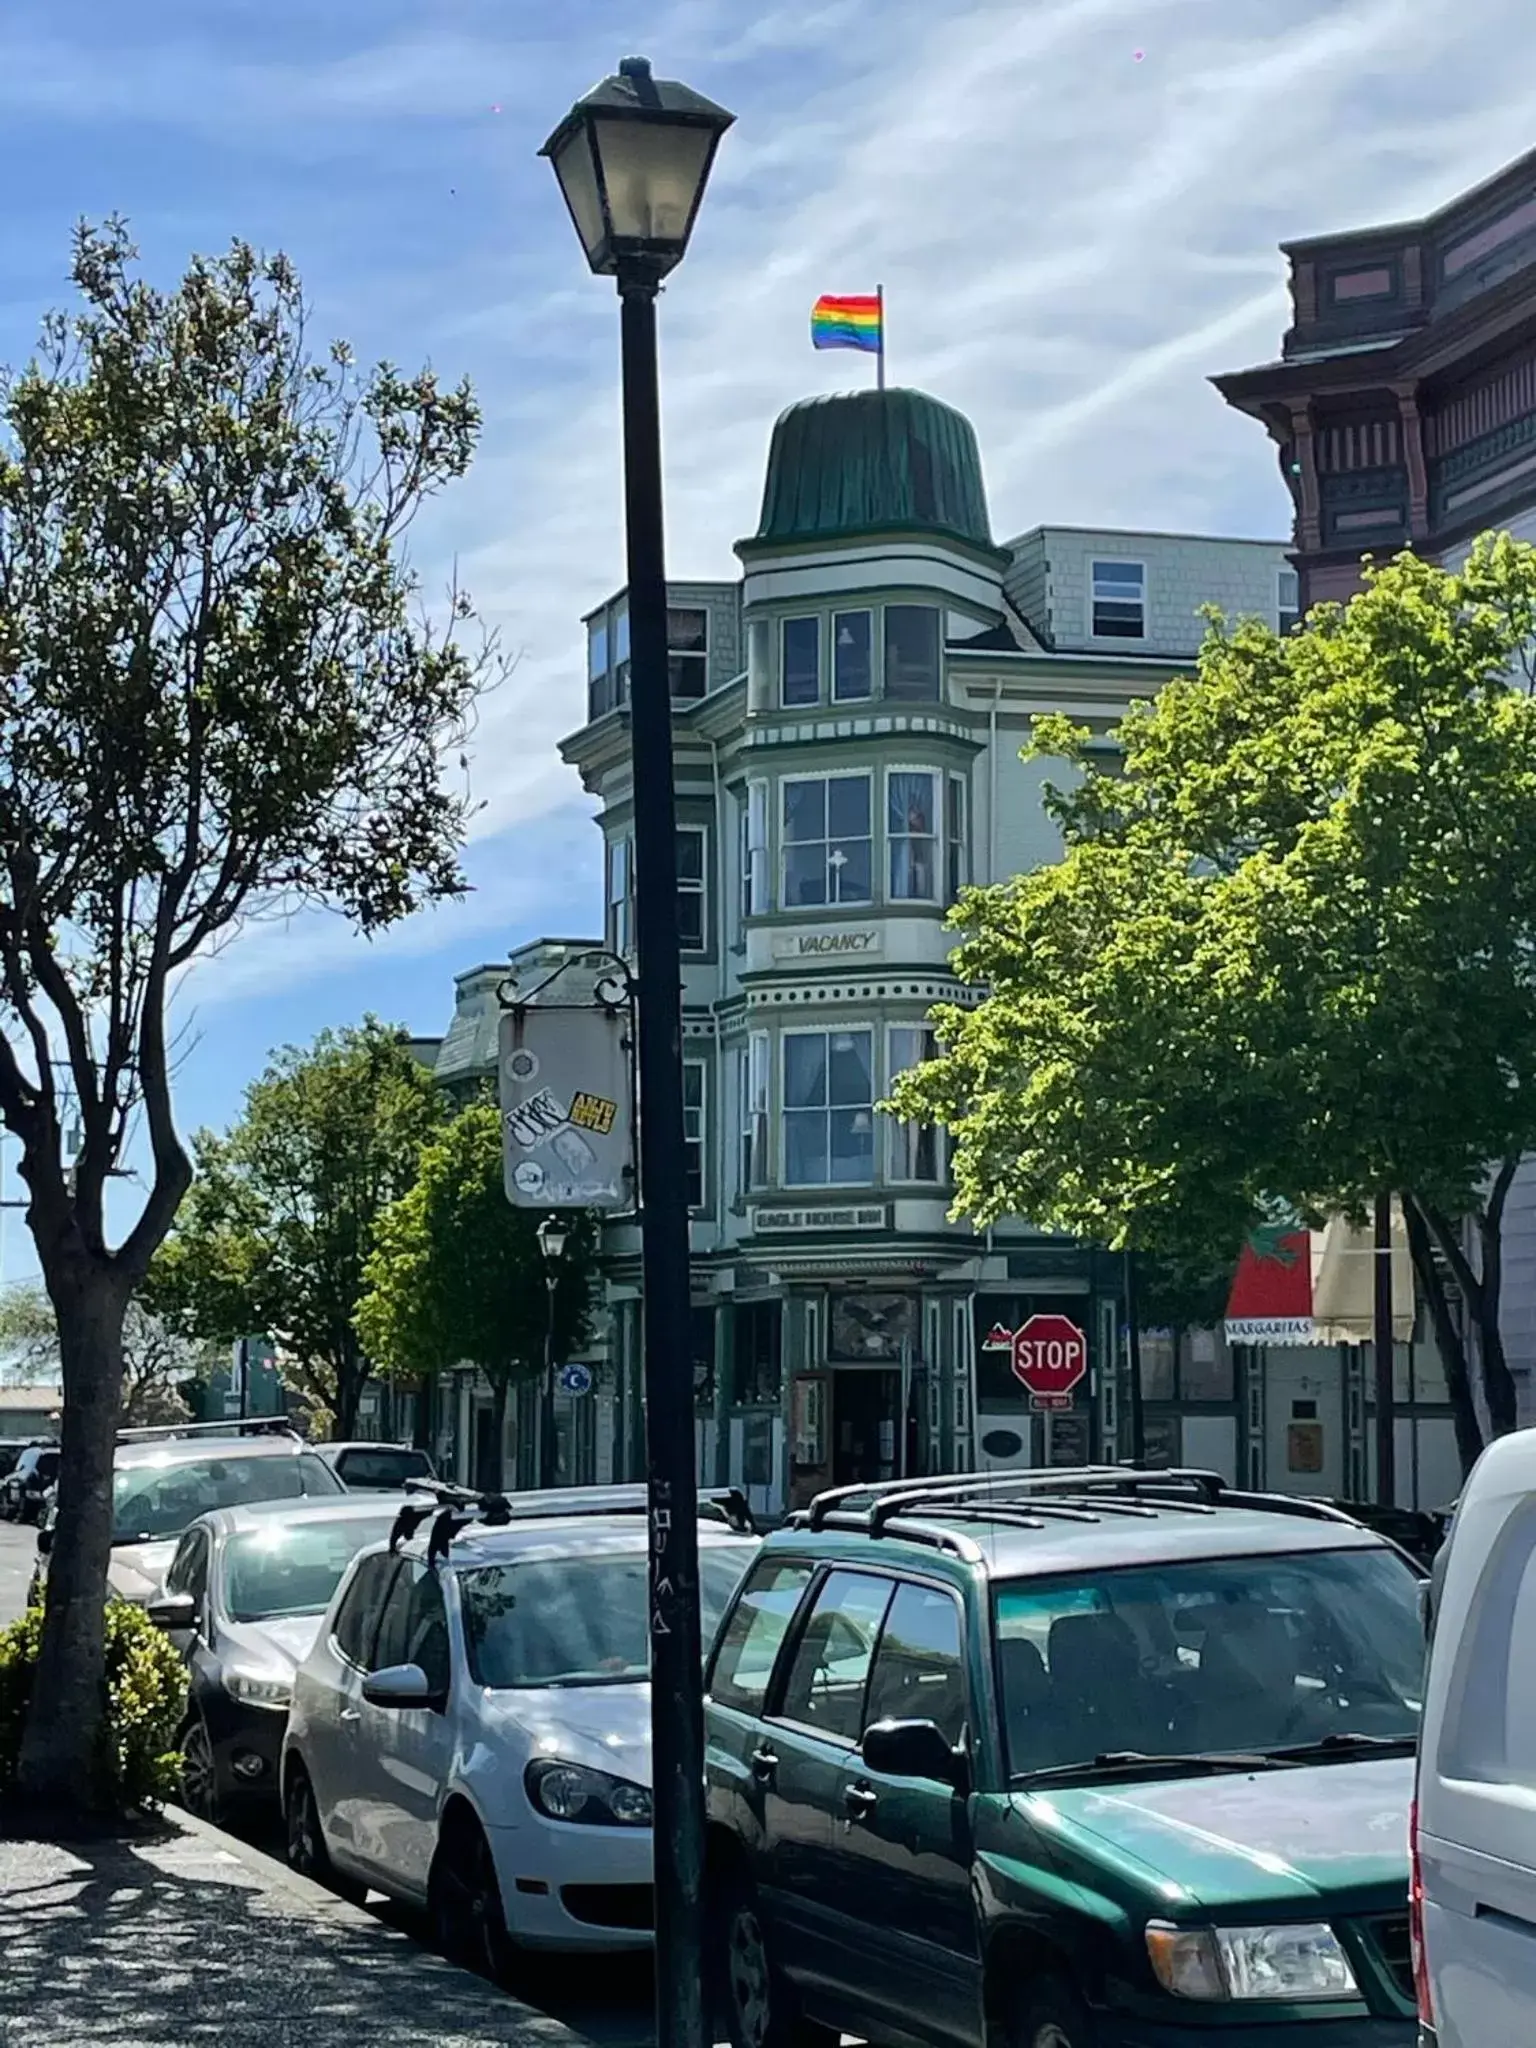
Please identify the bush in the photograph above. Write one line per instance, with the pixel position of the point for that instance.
(146, 1698)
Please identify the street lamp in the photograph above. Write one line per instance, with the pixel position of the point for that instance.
(551, 1235)
(633, 159)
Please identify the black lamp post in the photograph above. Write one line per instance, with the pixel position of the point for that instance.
(551, 1235)
(633, 159)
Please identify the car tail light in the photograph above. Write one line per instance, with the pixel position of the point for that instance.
(1416, 1920)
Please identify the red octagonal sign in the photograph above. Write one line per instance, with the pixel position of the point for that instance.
(1050, 1355)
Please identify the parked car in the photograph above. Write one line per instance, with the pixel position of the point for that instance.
(1474, 1846)
(163, 1479)
(471, 1731)
(376, 1468)
(243, 1601)
(1076, 1759)
(23, 1487)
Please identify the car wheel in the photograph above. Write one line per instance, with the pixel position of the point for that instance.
(200, 1792)
(469, 1922)
(1053, 2016)
(758, 2005)
(305, 1839)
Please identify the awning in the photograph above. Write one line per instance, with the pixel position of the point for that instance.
(1300, 1286)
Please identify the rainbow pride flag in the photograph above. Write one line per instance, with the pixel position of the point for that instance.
(857, 322)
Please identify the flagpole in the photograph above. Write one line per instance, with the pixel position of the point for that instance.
(880, 358)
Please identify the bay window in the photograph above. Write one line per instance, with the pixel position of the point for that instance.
(752, 849)
(915, 1152)
(853, 668)
(828, 1108)
(826, 841)
(911, 652)
(687, 650)
(692, 932)
(911, 833)
(620, 921)
(752, 1113)
(694, 1130)
(800, 658)
(956, 866)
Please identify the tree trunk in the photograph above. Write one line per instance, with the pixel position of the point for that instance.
(1498, 1380)
(492, 1479)
(1448, 1338)
(351, 1378)
(426, 1391)
(60, 1746)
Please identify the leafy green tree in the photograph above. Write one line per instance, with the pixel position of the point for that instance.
(278, 1227)
(220, 697)
(1286, 955)
(457, 1276)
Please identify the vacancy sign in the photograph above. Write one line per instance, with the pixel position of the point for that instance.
(1050, 1356)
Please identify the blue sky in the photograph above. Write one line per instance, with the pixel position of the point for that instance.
(1071, 239)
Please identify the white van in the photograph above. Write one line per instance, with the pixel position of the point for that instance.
(1474, 1826)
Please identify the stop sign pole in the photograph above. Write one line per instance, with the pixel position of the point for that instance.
(1050, 1357)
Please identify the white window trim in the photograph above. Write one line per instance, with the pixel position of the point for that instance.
(1284, 611)
(874, 613)
(819, 619)
(876, 843)
(622, 943)
(702, 1067)
(700, 889)
(756, 883)
(897, 1127)
(755, 1112)
(1118, 639)
(827, 1030)
(939, 779)
(691, 653)
(951, 778)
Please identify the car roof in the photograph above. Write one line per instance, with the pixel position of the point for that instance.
(1095, 1518)
(565, 1536)
(338, 1507)
(367, 1443)
(190, 1450)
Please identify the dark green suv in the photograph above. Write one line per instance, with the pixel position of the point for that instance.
(1087, 1759)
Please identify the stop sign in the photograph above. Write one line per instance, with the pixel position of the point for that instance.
(1050, 1355)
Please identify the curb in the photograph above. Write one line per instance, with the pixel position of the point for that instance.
(273, 1875)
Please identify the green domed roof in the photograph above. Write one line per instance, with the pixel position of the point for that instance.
(861, 462)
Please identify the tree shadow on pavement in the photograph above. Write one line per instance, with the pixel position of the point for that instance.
(169, 1941)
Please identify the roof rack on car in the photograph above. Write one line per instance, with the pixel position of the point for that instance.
(1052, 1490)
(726, 1504)
(250, 1425)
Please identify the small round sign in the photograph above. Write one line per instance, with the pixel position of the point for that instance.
(576, 1378)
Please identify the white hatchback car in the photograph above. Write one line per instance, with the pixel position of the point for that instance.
(471, 1731)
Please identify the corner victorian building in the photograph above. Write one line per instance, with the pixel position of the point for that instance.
(849, 715)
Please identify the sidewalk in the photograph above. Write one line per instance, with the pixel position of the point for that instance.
(187, 1937)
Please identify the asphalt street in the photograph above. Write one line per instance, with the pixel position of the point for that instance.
(18, 1547)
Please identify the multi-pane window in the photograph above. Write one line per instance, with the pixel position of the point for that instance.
(621, 656)
(694, 1130)
(752, 1105)
(1119, 601)
(956, 867)
(621, 934)
(829, 1100)
(853, 664)
(691, 891)
(687, 651)
(911, 835)
(1287, 601)
(826, 840)
(597, 667)
(753, 850)
(800, 655)
(911, 652)
(914, 1148)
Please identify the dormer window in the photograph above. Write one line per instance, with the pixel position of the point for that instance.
(1119, 601)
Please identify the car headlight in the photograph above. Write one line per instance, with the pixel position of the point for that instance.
(572, 1792)
(1300, 1961)
(255, 1689)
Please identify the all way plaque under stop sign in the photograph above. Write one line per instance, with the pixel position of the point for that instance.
(1050, 1356)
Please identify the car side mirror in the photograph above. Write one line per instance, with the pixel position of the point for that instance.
(400, 1686)
(913, 1749)
(174, 1612)
(44, 1541)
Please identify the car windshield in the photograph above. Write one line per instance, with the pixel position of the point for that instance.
(293, 1570)
(151, 1502)
(383, 1470)
(1248, 1654)
(577, 1620)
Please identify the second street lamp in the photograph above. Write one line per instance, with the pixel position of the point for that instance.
(633, 159)
(551, 1235)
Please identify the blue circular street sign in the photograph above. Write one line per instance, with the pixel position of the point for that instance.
(576, 1378)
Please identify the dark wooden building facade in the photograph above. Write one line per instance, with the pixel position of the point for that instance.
(1403, 406)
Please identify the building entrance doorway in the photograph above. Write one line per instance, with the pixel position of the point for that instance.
(865, 1408)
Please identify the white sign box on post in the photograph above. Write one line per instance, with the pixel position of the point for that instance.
(567, 1108)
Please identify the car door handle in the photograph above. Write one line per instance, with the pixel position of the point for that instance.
(764, 1765)
(860, 1801)
(350, 1714)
